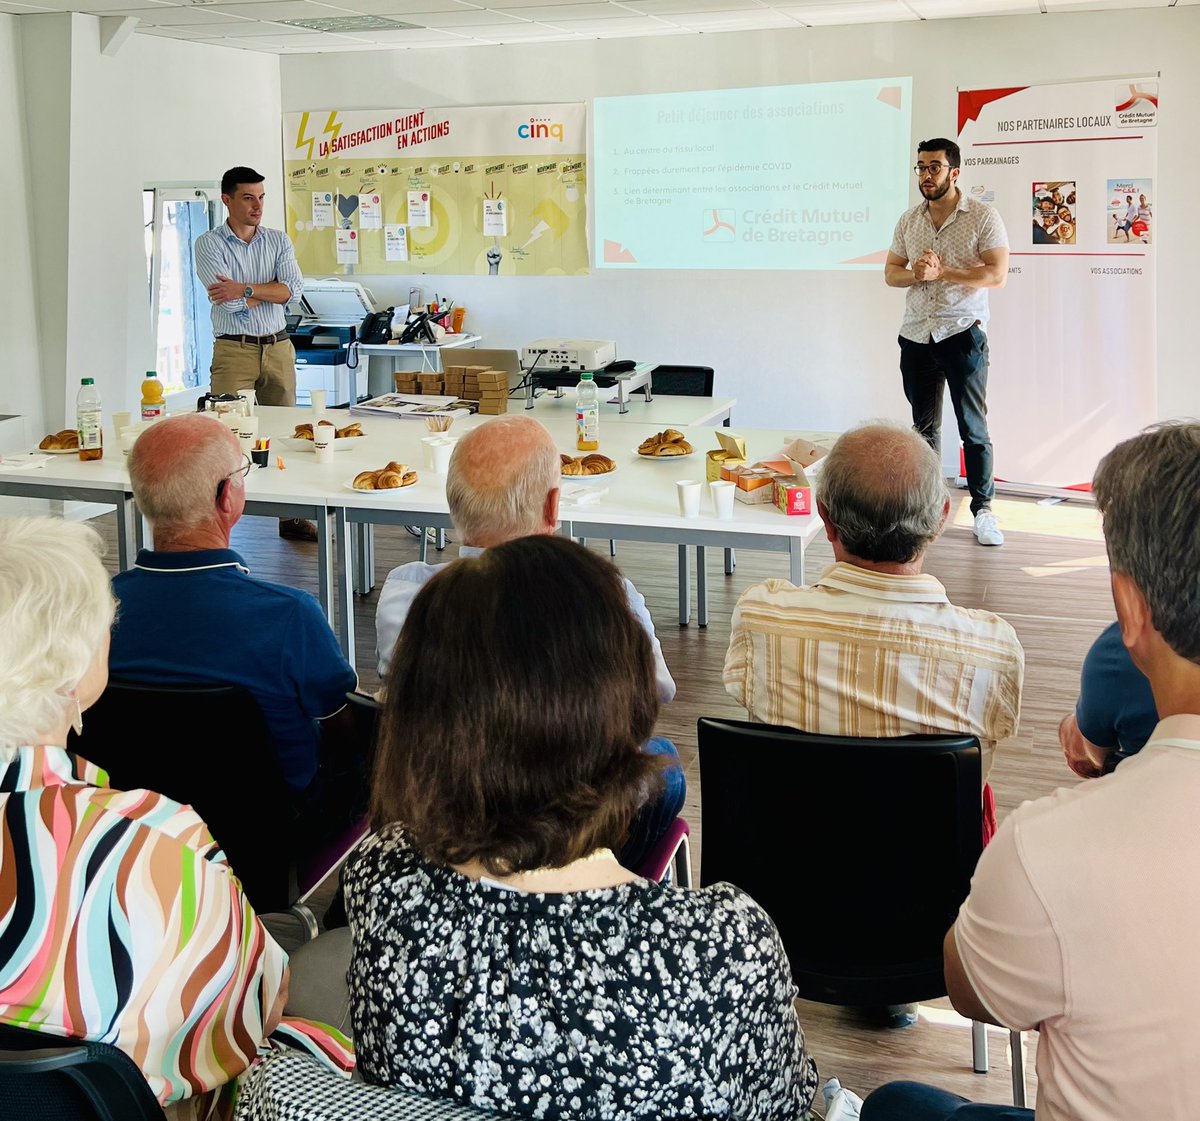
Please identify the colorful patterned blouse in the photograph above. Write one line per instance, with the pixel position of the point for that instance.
(120, 921)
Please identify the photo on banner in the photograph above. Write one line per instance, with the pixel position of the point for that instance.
(427, 172)
(1072, 336)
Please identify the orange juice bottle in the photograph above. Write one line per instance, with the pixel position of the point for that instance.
(154, 404)
(88, 417)
(587, 414)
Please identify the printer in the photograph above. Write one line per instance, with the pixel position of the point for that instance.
(323, 331)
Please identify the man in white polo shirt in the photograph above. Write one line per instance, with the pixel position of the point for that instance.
(1083, 911)
(948, 251)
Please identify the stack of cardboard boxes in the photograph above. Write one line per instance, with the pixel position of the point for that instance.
(479, 383)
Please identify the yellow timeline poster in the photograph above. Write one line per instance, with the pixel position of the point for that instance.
(493, 189)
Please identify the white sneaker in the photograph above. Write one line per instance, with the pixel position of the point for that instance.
(986, 530)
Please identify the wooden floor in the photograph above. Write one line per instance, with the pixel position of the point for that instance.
(1050, 581)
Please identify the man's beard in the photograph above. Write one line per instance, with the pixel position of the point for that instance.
(940, 193)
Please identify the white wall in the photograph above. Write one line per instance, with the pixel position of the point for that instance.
(100, 129)
(804, 349)
(20, 384)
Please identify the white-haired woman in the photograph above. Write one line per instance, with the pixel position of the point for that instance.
(120, 920)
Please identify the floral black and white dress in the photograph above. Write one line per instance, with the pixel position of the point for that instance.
(638, 1001)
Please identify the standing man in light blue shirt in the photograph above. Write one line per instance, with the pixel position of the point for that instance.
(250, 273)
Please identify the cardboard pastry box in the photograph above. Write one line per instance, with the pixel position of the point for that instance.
(731, 453)
(793, 487)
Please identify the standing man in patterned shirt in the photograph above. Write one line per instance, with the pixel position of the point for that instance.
(948, 251)
(251, 273)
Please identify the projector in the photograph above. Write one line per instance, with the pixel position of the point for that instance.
(568, 354)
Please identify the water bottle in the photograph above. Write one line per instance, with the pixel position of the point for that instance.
(154, 404)
(587, 414)
(88, 420)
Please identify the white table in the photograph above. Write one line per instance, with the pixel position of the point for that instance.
(639, 504)
(428, 356)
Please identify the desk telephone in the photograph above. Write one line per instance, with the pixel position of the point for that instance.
(376, 328)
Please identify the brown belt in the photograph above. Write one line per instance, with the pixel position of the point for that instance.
(256, 340)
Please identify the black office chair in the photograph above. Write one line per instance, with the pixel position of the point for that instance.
(55, 1079)
(890, 828)
(681, 381)
(208, 747)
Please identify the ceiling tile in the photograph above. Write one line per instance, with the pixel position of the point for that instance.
(670, 8)
(566, 13)
(480, 18)
(823, 13)
(764, 18)
(520, 33)
(1100, 5)
(957, 9)
(173, 17)
(19, 9)
(418, 35)
(280, 9)
(403, 9)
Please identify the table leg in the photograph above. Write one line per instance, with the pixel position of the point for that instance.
(423, 547)
(128, 532)
(364, 557)
(685, 588)
(325, 565)
(701, 587)
(796, 556)
(730, 561)
(345, 584)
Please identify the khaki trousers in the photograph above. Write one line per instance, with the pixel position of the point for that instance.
(269, 370)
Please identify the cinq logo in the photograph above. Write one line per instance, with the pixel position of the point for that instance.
(541, 128)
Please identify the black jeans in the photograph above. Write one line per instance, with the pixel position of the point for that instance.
(961, 361)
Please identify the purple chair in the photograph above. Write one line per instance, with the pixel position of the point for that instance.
(670, 861)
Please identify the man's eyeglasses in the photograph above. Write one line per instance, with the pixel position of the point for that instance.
(934, 168)
(244, 470)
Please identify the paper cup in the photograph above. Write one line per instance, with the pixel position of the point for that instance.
(323, 452)
(119, 421)
(249, 401)
(428, 443)
(689, 497)
(722, 497)
(317, 398)
(247, 433)
(324, 435)
(442, 451)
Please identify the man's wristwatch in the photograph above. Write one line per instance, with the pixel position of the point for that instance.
(249, 292)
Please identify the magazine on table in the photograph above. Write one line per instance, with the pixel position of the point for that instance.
(415, 405)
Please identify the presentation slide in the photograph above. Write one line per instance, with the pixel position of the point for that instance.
(777, 177)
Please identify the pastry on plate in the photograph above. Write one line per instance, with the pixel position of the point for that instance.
(391, 477)
(666, 443)
(591, 464)
(66, 440)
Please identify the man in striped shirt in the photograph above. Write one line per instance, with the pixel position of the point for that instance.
(250, 273)
(874, 647)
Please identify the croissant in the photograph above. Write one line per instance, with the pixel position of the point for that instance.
(668, 442)
(388, 479)
(303, 432)
(596, 464)
(365, 480)
(350, 430)
(66, 440)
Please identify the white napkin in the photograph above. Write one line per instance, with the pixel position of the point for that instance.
(25, 461)
(574, 495)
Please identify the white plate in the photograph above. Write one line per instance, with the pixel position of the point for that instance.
(345, 443)
(54, 451)
(349, 485)
(663, 458)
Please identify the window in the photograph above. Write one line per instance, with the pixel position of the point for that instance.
(174, 217)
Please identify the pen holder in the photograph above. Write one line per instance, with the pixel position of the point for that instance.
(260, 458)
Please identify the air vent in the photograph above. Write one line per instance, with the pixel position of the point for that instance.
(348, 23)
